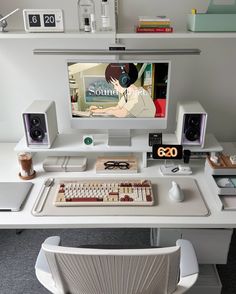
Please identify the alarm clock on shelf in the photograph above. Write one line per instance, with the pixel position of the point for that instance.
(172, 152)
(160, 151)
(43, 20)
(88, 140)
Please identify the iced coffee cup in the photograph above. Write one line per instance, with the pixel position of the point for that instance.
(26, 166)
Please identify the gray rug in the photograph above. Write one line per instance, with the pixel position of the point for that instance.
(18, 254)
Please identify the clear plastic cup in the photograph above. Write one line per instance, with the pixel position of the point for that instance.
(26, 165)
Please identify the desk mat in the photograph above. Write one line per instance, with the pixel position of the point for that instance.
(193, 205)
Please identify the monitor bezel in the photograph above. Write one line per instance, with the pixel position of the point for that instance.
(119, 123)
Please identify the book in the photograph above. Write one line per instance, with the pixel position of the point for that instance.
(153, 18)
(154, 26)
(154, 30)
(154, 23)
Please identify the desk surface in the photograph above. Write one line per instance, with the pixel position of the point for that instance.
(24, 219)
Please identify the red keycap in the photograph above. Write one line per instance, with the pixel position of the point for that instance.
(92, 199)
(148, 198)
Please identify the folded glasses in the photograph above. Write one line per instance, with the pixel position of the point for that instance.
(116, 164)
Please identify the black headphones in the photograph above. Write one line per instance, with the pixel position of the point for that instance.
(124, 79)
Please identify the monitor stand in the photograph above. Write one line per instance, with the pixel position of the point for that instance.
(119, 138)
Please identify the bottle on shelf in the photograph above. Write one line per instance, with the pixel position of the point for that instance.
(85, 9)
(105, 16)
(93, 23)
(87, 25)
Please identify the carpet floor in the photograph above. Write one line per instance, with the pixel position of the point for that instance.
(18, 253)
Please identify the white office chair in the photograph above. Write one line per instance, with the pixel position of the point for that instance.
(65, 270)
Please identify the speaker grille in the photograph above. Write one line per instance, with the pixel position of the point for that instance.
(192, 127)
(37, 127)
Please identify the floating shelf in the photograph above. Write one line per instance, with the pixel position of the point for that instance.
(73, 143)
(65, 35)
(122, 34)
(127, 34)
(139, 143)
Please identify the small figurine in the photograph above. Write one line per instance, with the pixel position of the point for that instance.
(233, 159)
(215, 158)
(3, 22)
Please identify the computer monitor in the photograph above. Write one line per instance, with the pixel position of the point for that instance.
(119, 95)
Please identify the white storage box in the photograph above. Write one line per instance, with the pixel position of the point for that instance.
(65, 163)
(211, 245)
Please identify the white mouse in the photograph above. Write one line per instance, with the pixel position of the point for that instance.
(175, 193)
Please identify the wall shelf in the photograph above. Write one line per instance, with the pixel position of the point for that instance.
(123, 34)
(65, 35)
(127, 34)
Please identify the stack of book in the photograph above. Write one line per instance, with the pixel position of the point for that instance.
(154, 24)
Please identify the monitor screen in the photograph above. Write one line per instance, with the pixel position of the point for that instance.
(119, 94)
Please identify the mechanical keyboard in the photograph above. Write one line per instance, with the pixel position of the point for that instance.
(100, 193)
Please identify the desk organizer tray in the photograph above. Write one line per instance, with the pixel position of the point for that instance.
(220, 17)
(222, 184)
(206, 22)
(225, 166)
(193, 205)
(226, 202)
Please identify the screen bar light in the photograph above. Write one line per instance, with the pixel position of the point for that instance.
(117, 52)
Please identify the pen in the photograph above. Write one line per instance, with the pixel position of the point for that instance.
(43, 194)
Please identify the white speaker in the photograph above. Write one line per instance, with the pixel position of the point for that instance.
(191, 123)
(40, 124)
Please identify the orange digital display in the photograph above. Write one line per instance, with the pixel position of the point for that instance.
(167, 151)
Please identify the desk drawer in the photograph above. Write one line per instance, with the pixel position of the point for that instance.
(211, 245)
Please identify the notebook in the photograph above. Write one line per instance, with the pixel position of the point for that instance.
(13, 195)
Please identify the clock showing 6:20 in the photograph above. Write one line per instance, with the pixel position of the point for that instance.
(167, 151)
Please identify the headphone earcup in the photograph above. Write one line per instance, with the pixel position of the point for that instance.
(125, 80)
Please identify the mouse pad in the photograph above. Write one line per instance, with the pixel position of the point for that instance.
(193, 204)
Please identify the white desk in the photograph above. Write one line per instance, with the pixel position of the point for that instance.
(24, 219)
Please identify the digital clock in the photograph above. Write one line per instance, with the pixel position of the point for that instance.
(43, 20)
(167, 151)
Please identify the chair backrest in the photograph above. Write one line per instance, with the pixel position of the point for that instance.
(112, 271)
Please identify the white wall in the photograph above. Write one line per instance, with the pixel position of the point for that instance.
(209, 78)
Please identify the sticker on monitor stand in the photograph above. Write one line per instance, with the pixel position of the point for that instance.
(167, 151)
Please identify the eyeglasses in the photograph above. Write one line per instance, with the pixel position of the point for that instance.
(116, 164)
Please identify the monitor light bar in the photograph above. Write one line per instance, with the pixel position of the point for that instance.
(117, 52)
